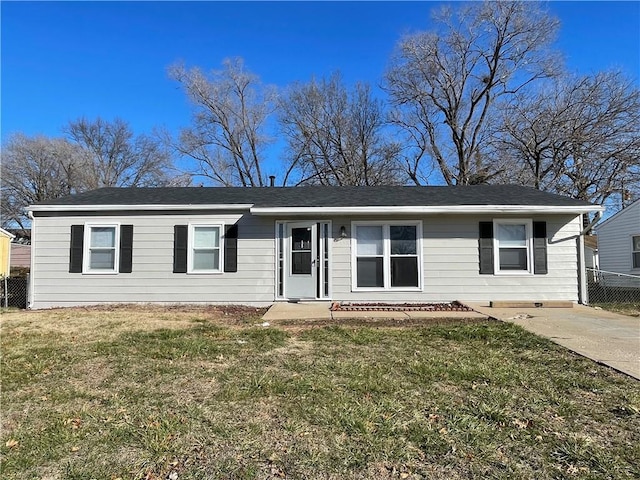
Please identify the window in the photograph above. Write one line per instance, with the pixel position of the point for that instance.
(513, 246)
(635, 250)
(205, 252)
(387, 256)
(101, 244)
(301, 251)
(101, 248)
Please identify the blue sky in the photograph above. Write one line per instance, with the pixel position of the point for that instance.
(64, 60)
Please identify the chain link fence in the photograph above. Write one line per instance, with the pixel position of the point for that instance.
(14, 291)
(611, 287)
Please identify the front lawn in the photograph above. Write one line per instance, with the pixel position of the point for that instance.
(207, 393)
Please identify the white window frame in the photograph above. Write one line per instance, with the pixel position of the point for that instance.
(528, 223)
(190, 248)
(386, 255)
(86, 254)
(634, 251)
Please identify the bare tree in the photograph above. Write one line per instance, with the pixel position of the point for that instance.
(117, 158)
(579, 137)
(336, 136)
(35, 169)
(445, 83)
(227, 136)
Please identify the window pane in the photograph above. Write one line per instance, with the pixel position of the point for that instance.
(636, 244)
(369, 240)
(301, 263)
(512, 235)
(102, 259)
(301, 238)
(513, 259)
(404, 272)
(103, 237)
(636, 260)
(403, 240)
(206, 260)
(370, 272)
(206, 237)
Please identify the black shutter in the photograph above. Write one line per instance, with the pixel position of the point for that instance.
(485, 245)
(539, 247)
(76, 248)
(126, 248)
(180, 248)
(231, 248)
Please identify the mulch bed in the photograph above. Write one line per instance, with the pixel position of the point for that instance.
(399, 307)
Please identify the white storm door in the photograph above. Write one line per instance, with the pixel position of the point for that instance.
(301, 276)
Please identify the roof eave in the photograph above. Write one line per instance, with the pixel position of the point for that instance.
(131, 207)
(450, 209)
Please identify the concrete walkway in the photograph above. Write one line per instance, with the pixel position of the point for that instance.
(603, 336)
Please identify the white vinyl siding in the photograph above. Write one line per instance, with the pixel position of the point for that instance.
(450, 263)
(447, 246)
(152, 279)
(616, 251)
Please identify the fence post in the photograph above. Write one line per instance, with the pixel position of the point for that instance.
(6, 292)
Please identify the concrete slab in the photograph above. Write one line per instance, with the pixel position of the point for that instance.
(603, 336)
(295, 311)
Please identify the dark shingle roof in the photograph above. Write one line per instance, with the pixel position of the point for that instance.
(322, 196)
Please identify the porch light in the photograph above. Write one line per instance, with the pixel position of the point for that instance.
(343, 232)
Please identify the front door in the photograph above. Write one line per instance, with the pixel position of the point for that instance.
(302, 252)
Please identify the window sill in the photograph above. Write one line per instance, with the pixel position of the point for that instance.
(95, 272)
(388, 290)
(517, 273)
(206, 272)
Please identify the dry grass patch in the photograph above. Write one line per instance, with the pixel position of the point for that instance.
(145, 393)
(631, 308)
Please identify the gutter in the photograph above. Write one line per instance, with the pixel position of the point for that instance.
(133, 207)
(413, 210)
(583, 291)
(588, 228)
(31, 261)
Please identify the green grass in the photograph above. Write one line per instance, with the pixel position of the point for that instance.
(140, 394)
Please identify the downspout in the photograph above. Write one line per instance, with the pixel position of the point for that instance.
(583, 292)
(31, 261)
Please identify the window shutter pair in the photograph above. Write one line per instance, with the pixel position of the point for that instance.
(77, 249)
(180, 245)
(485, 243)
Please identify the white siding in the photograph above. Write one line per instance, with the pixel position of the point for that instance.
(451, 264)
(152, 279)
(614, 240)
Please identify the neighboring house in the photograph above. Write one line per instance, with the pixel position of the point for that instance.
(619, 244)
(5, 252)
(20, 255)
(260, 245)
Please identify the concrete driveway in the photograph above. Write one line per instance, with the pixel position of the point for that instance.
(603, 336)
